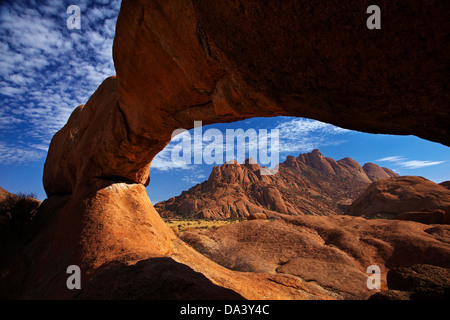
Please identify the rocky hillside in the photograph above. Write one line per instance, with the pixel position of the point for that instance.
(309, 184)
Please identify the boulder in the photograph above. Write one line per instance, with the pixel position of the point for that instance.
(257, 216)
(445, 184)
(416, 282)
(374, 172)
(411, 197)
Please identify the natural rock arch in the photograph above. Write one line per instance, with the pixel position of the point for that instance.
(218, 61)
(180, 61)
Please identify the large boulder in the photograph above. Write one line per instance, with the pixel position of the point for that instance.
(406, 197)
(257, 216)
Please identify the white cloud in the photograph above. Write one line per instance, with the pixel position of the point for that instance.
(409, 164)
(194, 178)
(295, 135)
(19, 154)
(303, 135)
(11, 91)
(392, 159)
(163, 162)
(416, 164)
(302, 126)
(47, 70)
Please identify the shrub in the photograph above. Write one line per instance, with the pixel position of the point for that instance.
(24, 195)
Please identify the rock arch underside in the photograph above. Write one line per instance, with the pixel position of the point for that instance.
(219, 61)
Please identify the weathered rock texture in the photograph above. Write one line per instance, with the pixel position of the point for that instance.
(445, 184)
(417, 282)
(405, 198)
(216, 61)
(309, 184)
(125, 250)
(332, 251)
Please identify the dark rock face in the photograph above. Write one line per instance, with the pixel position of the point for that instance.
(416, 282)
(321, 57)
(445, 184)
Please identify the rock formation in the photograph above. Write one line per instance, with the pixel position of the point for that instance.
(417, 282)
(445, 184)
(183, 60)
(309, 184)
(333, 251)
(257, 216)
(407, 198)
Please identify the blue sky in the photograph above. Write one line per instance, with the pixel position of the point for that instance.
(47, 70)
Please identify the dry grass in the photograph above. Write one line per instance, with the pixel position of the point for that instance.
(189, 224)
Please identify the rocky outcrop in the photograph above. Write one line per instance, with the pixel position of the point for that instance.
(5, 197)
(406, 198)
(447, 216)
(309, 184)
(334, 252)
(416, 282)
(445, 184)
(180, 61)
(124, 250)
(427, 217)
(374, 172)
(257, 216)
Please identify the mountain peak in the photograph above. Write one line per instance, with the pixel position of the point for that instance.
(309, 184)
(251, 164)
(316, 160)
(231, 162)
(375, 172)
(250, 160)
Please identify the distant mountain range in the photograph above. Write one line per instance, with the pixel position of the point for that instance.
(309, 184)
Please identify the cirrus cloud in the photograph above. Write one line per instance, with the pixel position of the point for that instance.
(47, 70)
(409, 164)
